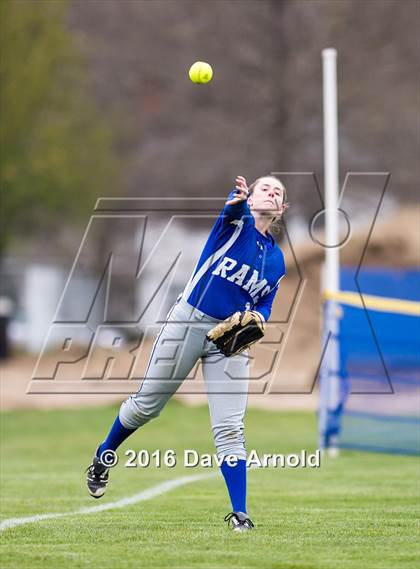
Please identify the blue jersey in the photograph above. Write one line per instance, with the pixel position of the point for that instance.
(239, 268)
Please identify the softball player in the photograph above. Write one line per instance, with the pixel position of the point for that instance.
(220, 313)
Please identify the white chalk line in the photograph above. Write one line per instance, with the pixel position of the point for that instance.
(148, 494)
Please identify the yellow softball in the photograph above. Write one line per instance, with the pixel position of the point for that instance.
(200, 72)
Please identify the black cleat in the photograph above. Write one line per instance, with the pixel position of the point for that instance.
(97, 478)
(239, 521)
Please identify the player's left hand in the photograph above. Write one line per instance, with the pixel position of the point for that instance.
(233, 335)
(242, 191)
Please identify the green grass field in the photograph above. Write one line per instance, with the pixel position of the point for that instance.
(357, 511)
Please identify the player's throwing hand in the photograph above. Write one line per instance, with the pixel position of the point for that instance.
(242, 191)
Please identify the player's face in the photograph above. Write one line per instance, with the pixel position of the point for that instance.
(267, 197)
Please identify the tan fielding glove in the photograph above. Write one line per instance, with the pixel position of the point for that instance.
(237, 332)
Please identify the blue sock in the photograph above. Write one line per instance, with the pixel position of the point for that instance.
(116, 436)
(235, 478)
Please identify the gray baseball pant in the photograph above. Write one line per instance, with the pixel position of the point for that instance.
(180, 343)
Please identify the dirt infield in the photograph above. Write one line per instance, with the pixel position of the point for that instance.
(18, 391)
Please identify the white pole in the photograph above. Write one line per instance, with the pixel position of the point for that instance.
(332, 260)
(329, 379)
